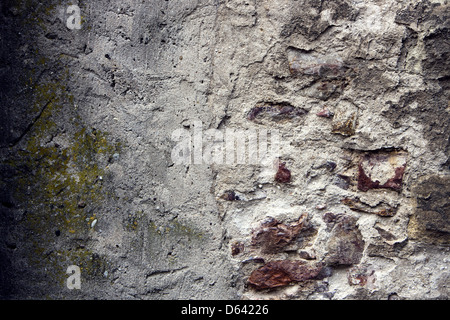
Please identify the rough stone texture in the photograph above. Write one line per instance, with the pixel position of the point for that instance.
(381, 209)
(431, 220)
(387, 167)
(273, 236)
(281, 273)
(345, 245)
(358, 92)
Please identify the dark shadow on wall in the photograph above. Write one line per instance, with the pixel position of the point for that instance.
(17, 51)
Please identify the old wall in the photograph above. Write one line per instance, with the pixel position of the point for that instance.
(105, 143)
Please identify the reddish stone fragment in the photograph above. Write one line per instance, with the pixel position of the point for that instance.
(273, 235)
(280, 273)
(389, 166)
(395, 182)
(283, 174)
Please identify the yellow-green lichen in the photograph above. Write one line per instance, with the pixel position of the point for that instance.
(59, 163)
(65, 180)
(175, 230)
(60, 166)
(132, 221)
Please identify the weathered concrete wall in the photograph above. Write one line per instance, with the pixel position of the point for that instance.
(353, 205)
